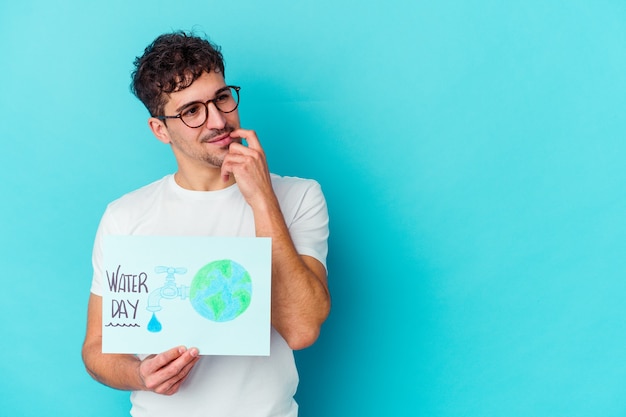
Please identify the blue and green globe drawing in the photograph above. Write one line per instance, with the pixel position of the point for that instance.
(221, 290)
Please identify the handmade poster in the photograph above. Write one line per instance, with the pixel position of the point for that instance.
(205, 292)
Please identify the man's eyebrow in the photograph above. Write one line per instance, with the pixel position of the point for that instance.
(179, 109)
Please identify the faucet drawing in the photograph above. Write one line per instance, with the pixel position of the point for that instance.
(170, 290)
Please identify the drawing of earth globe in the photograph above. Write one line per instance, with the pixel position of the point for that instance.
(221, 290)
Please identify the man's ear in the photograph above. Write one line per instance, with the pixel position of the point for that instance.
(159, 130)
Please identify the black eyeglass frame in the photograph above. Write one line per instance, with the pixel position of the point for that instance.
(206, 107)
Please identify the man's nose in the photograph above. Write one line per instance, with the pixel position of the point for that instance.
(215, 118)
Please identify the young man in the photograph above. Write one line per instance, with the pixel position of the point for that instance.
(221, 188)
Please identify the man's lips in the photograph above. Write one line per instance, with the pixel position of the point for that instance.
(220, 140)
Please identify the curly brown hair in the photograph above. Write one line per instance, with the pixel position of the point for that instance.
(171, 63)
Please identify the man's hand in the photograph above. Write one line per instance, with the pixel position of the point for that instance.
(249, 167)
(165, 372)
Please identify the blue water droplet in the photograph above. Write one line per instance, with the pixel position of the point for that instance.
(154, 325)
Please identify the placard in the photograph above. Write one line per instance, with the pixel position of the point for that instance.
(205, 292)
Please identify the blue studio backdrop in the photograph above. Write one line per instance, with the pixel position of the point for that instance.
(471, 152)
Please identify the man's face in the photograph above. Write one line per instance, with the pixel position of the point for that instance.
(207, 144)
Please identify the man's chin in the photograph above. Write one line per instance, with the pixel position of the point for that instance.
(215, 161)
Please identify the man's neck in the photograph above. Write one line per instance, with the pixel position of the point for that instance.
(209, 180)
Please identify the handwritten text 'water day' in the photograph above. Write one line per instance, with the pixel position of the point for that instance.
(129, 284)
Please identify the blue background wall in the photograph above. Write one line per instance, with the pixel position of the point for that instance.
(472, 154)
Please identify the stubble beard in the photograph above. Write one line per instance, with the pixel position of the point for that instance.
(216, 159)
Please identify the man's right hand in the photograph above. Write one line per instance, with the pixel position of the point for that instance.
(164, 373)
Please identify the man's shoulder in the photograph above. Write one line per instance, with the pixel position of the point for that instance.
(140, 196)
(296, 189)
(289, 183)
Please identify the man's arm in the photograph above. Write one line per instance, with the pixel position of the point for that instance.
(300, 296)
(162, 373)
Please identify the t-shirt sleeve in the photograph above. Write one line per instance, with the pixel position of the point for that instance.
(309, 226)
(107, 226)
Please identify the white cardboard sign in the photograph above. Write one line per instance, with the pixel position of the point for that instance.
(206, 292)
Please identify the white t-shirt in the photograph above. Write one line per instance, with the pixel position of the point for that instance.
(221, 386)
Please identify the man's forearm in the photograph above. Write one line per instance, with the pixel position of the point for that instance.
(116, 371)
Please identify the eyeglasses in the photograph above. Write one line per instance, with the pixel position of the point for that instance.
(196, 114)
